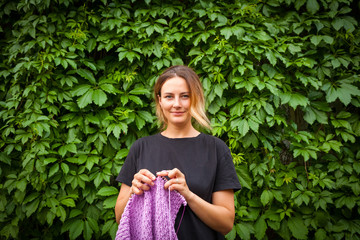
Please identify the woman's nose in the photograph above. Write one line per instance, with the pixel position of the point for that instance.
(176, 102)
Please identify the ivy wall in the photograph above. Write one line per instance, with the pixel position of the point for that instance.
(282, 84)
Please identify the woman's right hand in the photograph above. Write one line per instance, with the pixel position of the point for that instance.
(142, 181)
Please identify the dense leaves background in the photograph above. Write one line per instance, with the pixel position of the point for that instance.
(282, 84)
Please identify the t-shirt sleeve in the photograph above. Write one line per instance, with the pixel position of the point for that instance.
(129, 169)
(226, 177)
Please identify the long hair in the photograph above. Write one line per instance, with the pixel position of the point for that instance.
(197, 107)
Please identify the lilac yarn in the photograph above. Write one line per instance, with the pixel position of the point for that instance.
(151, 215)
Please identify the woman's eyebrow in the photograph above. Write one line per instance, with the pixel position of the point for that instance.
(180, 93)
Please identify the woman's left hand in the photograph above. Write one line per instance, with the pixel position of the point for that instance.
(177, 182)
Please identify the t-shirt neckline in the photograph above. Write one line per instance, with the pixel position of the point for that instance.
(179, 139)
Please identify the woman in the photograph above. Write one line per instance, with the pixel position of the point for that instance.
(199, 166)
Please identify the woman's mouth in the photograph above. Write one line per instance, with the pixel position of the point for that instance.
(177, 113)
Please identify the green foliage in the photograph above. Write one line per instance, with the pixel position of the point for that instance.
(281, 79)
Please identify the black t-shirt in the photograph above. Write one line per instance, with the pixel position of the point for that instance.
(206, 162)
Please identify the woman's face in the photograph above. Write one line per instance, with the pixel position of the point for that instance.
(175, 101)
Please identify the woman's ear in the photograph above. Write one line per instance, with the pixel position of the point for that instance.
(159, 98)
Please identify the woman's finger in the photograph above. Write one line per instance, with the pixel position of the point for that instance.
(163, 173)
(175, 173)
(145, 177)
(142, 181)
(148, 174)
(177, 180)
(137, 191)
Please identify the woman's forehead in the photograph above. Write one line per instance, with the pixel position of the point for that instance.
(175, 83)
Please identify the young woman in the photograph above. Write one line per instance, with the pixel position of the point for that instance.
(198, 165)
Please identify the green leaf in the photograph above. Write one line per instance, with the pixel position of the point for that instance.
(146, 116)
(108, 191)
(140, 123)
(260, 227)
(232, 234)
(65, 168)
(271, 57)
(110, 202)
(109, 88)
(254, 123)
(277, 195)
(32, 207)
(124, 99)
(312, 6)
(335, 63)
(298, 228)
(88, 232)
(71, 148)
(69, 202)
(241, 124)
(269, 70)
(80, 90)
(238, 31)
(294, 49)
(93, 224)
(139, 91)
(21, 185)
(162, 21)
(122, 153)
(54, 169)
(316, 40)
(244, 177)
(136, 99)
(93, 119)
(76, 228)
(116, 131)
(266, 197)
(320, 234)
(337, 23)
(243, 231)
(344, 92)
(91, 44)
(90, 65)
(86, 99)
(356, 167)
(227, 32)
(99, 97)
(355, 187)
(221, 18)
(269, 109)
(87, 75)
(218, 90)
(195, 51)
(328, 39)
(158, 28)
(150, 30)
(77, 160)
(298, 99)
(309, 116)
(72, 63)
(237, 110)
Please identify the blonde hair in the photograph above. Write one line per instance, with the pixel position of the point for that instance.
(197, 107)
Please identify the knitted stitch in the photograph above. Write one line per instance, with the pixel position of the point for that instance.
(148, 216)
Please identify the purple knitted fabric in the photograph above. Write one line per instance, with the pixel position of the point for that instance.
(149, 216)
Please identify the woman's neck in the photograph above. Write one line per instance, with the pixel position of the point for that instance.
(180, 132)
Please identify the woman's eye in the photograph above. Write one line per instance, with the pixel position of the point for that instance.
(185, 96)
(168, 96)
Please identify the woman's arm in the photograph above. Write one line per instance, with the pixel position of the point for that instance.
(218, 215)
(123, 198)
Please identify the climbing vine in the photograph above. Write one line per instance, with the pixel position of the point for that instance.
(281, 78)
